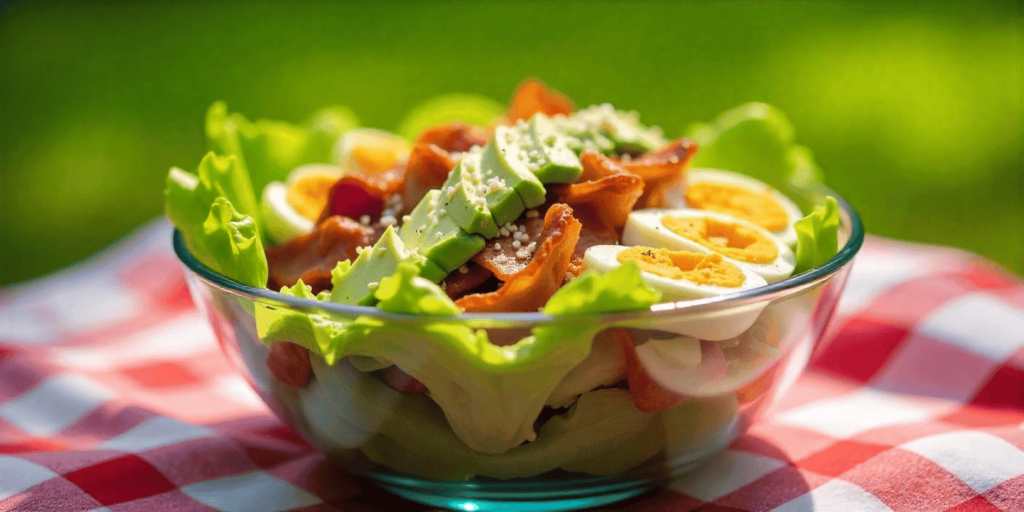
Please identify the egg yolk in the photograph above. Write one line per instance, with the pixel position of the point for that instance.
(727, 238)
(378, 155)
(757, 207)
(309, 194)
(696, 267)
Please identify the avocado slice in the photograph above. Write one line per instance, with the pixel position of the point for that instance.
(555, 161)
(463, 198)
(502, 186)
(514, 153)
(597, 125)
(432, 230)
(354, 283)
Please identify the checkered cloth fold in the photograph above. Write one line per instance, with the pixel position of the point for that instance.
(114, 396)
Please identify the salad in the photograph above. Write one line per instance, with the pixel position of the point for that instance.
(540, 207)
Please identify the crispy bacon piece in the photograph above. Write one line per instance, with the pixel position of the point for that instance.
(311, 257)
(533, 96)
(601, 201)
(660, 170)
(597, 166)
(503, 262)
(607, 199)
(454, 136)
(647, 394)
(427, 169)
(458, 283)
(531, 287)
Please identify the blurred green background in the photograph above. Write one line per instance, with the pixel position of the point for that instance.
(913, 109)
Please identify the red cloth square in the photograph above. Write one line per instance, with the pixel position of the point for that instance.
(162, 375)
(860, 348)
(119, 480)
(1005, 389)
(841, 457)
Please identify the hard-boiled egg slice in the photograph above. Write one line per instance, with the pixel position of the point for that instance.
(738, 196)
(370, 150)
(291, 209)
(740, 242)
(685, 275)
(680, 275)
(702, 368)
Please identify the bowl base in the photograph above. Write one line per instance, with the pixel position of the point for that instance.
(519, 500)
(520, 503)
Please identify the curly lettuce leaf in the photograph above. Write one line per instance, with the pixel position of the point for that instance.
(269, 150)
(490, 395)
(817, 236)
(468, 108)
(217, 235)
(758, 140)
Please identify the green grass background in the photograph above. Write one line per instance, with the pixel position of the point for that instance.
(913, 109)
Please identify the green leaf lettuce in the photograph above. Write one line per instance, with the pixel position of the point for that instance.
(758, 140)
(269, 150)
(220, 235)
(817, 236)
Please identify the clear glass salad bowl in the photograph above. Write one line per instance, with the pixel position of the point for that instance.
(600, 450)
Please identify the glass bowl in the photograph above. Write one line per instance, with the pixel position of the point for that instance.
(590, 451)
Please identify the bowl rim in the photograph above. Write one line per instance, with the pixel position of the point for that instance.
(761, 294)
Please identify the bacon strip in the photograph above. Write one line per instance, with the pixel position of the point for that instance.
(456, 137)
(531, 287)
(533, 96)
(311, 257)
(427, 169)
(608, 199)
(503, 262)
(660, 170)
(458, 283)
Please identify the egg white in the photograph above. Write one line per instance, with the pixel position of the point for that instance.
(715, 325)
(677, 199)
(675, 363)
(356, 137)
(283, 222)
(644, 227)
(604, 258)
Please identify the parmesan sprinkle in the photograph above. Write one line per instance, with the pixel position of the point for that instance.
(532, 214)
(497, 246)
(522, 254)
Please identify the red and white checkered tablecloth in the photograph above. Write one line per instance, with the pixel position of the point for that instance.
(115, 397)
